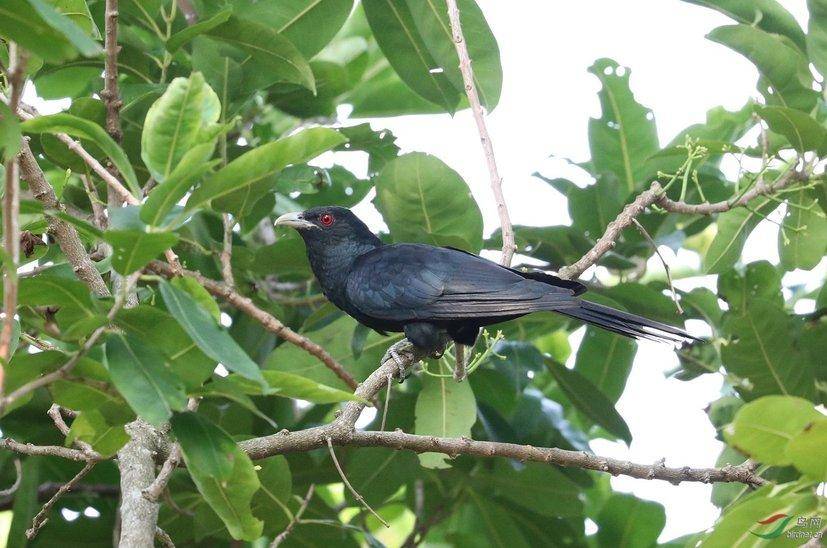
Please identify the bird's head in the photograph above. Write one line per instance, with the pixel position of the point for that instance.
(330, 227)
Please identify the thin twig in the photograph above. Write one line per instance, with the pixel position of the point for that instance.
(350, 488)
(290, 526)
(11, 213)
(163, 537)
(226, 255)
(55, 413)
(662, 260)
(18, 470)
(387, 404)
(43, 516)
(110, 95)
(487, 146)
(155, 489)
(98, 210)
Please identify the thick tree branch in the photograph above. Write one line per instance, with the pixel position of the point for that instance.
(136, 462)
(485, 139)
(65, 234)
(267, 320)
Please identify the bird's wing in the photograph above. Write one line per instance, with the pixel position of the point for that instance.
(407, 282)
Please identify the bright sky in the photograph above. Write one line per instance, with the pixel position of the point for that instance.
(547, 99)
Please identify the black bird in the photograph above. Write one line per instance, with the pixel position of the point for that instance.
(429, 292)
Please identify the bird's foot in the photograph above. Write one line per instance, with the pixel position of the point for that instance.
(393, 353)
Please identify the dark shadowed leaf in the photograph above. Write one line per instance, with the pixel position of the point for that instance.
(605, 359)
(537, 487)
(625, 520)
(377, 473)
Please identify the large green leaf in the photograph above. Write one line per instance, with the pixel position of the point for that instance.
(139, 373)
(431, 20)
(625, 136)
(377, 473)
(763, 428)
(803, 241)
(38, 27)
(591, 208)
(482, 521)
(86, 129)
(189, 33)
(298, 387)
(228, 494)
(424, 200)
(274, 495)
(605, 360)
(132, 249)
(537, 487)
(785, 74)
(176, 122)
(807, 449)
(397, 34)
(102, 428)
(803, 132)
(734, 227)
(236, 187)
(45, 289)
(269, 49)
(762, 351)
(768, 15)
(625, 520)
(587, 398)
(759, 282)
(209, 449)
(309, 24)
(207, 334)
(817, 34)
(444, 408)
(191, 167)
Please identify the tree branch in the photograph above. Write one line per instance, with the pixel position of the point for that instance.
(299, 513)
(136, 462)
(485, 139)
(655, 195)
(43, 450)
(65, 234)
(110, 95)
(11, 213)
(43, 516)
(226, 256)
(267, 320)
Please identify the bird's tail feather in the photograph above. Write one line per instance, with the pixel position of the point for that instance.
(629, 325)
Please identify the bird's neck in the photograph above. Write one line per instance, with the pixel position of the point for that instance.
(331, 265)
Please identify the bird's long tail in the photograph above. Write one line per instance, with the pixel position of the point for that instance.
(629, 325)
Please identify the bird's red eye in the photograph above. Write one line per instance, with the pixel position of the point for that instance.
(326, 219)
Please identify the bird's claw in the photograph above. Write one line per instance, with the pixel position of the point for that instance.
(393, 353)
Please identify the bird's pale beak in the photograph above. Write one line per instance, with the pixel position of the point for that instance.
(295, 220)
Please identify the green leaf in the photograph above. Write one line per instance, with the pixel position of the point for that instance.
(63, 24)
(805, 231)
(424, 200)
(191, 167)
(444, 408)
(294, 386)
(591, 208)
(785, 74)
(803, 132)
(762, 351)
(228, 494)
(85, 129)
(625, 136)
(139, 373)
(483, 522)
(537, 487)
(605, 359)
(759, 282)
(207, 334)
(734, 227)
(817, 34)
(104, 431)
(763, 428)
(378, 473)
(45, 290)
(209, 448)
(587, 398)
(185, 35)
(21, 23)
(396, 33)
(768, 15)
(133, 249)
(309, 24)
(237, 186)
(431, 20)
(740, 526)
(199, 294)
(272, 51)
(10, 134)
(274, 495)
(176, 122)
(807, 449)
(625, 520)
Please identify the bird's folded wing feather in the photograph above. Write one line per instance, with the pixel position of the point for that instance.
(406, 282)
